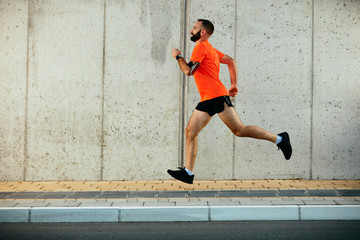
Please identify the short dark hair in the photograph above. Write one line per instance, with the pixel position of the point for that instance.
(207, 25)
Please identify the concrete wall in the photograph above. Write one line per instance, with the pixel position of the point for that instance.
(89, 90)
(13, 92)
(64, 103)
(336, 97)
(142, 89)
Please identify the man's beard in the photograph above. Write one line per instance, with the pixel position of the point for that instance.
(196, 37)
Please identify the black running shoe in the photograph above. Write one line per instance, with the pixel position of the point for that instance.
(285, 145)
(181, 175)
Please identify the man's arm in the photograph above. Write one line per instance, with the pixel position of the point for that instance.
(233, 73)
(184, 66)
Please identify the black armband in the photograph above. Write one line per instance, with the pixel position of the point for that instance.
(193, 67)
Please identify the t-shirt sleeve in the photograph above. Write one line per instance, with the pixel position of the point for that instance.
(220, 54)
(198, 54)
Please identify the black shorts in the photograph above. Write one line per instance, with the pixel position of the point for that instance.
(215, 105)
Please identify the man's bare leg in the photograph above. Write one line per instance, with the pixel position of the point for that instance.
(232, 120)
(229, 116)
(196, 123)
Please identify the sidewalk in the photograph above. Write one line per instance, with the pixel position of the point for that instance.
(170, 200)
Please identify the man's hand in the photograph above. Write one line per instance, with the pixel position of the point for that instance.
(175, 52)
(233, 91)
(233, 73)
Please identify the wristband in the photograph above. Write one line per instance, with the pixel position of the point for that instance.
(178, 56)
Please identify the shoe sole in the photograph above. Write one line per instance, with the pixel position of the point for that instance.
(169, 172)
(286, 139)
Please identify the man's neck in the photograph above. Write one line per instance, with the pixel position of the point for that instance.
(201, 40)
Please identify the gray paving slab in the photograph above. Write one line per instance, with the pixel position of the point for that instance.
(164, 199)
(263, 193)
(343, 212)
(16, 215)
(8, 204)
(119, 200)
(292, 193)
(347, 201)
(182, 194)
(255, 203)
(64, 203)
(91, 200)
(202, 194)
(26, 195)
(219, 203)
(173, 194)
(127, 204)
(117, 194)
(157, 203)
(146, 194)
(321, 193)
(162, 214)
(287, 202)
(85, 195)
(240, 213)
(348, 192)
(5, 195)
(74, 215)
(228, 199)
(32, 204)
(131, 199)
(148, 199)
(231, 194)
(320, 202)
(95, 204)
(191, 203)
(55, 195)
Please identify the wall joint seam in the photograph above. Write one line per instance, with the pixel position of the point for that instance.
(183, 91)
(103, 97)
(26, 96)
(312, 92)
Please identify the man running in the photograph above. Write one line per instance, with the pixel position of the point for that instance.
(204, 65)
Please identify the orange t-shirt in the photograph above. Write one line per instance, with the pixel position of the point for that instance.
(207, 76)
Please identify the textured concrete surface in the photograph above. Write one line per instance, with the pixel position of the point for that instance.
(142, 87)
(65, 90)
(89, 90)
(13, 62)
(274, 54)
(336, 89)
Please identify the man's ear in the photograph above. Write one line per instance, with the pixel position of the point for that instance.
(203, 32)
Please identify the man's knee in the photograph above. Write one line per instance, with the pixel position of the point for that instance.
(239, 132)
(190, 134)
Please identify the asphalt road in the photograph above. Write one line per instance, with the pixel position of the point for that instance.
(185, 230)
